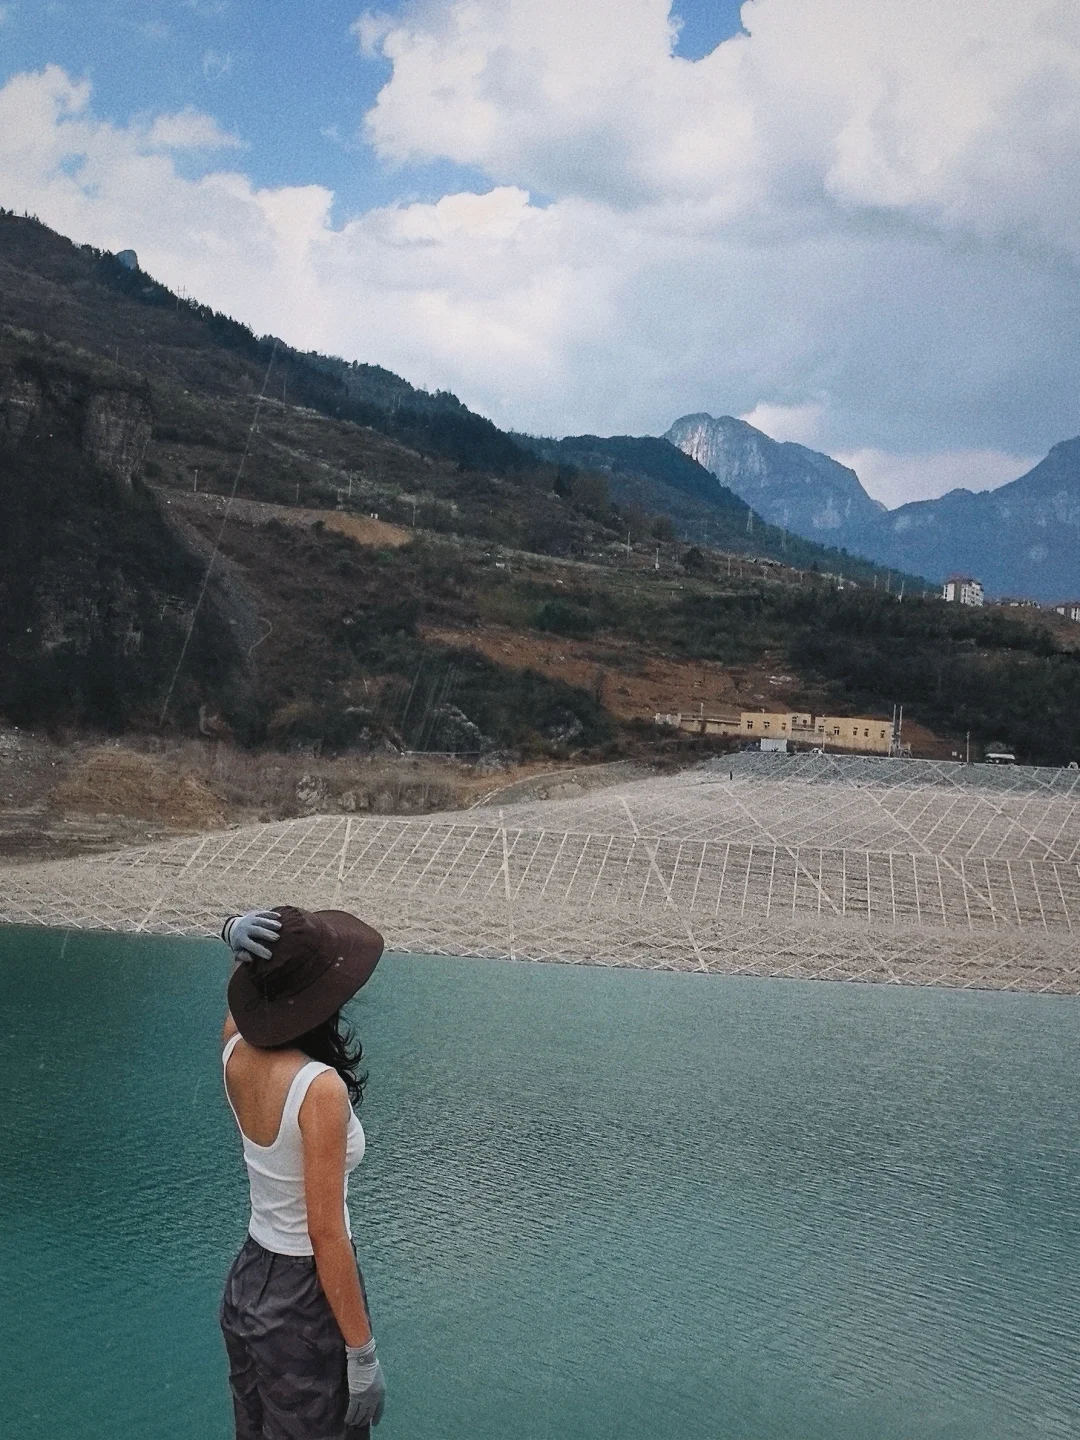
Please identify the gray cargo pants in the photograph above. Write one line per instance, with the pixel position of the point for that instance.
(286, 1351)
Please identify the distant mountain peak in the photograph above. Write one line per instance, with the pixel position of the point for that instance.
(791, 485)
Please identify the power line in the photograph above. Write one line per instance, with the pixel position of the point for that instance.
(217, 542)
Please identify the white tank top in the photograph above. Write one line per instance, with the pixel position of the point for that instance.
(276, 1171)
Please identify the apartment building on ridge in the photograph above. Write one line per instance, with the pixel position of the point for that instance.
(963, 590)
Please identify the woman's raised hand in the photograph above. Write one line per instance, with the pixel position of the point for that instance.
(243, 934)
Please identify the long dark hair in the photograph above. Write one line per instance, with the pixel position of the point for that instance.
(332, 1043)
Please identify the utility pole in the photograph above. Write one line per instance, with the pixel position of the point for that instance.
(657, 565)
(414, 513)
(967, 749)
(628, 543)
(195, 487)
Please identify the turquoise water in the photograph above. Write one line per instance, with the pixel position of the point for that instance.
(595, 1203)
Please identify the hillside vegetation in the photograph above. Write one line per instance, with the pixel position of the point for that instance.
(137, 597)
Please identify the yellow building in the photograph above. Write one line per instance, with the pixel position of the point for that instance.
(839, 732)
(855, 732)
(779, 724)
(836, 732)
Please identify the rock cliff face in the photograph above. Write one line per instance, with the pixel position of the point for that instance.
(97, 589)
(20, 402)
(790, 485)
(109, 424)
(115, 433)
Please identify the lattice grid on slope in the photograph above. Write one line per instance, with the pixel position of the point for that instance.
(829, 870)
(775, 799)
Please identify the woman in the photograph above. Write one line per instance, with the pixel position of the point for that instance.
(302, 1362)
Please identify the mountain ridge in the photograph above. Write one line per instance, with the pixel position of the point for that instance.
(1020, 538)
(644, 471)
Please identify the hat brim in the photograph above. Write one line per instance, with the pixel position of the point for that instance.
(264, 1022)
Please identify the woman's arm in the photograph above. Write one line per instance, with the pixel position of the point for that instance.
(229, 1029)
(324, 1120)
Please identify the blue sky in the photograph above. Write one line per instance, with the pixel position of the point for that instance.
(288, 79)
(853, 222)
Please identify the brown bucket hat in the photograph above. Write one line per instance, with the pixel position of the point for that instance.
(320, 960)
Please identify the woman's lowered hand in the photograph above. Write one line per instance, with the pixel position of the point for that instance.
(367, 1388)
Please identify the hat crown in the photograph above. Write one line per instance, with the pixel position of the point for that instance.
(299, 946)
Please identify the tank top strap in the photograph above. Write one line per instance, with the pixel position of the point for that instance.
(226, 1055)
(301, 1083)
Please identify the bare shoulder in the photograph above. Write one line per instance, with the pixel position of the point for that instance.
(229, 1029)
(326, 1102)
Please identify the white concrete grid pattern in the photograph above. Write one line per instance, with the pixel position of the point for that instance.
(809, 866)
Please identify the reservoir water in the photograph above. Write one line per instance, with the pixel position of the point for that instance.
(596, 1204)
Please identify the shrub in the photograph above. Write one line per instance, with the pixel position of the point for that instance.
(560, 617)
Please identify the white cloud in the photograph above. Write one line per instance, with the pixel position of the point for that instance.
(800, 423)
(856, 225)
(189, 129)
(856, 211)
(565, 98)
(371, 30)
(216, 64)
(965, 117)
(896, 479)
(496, 215)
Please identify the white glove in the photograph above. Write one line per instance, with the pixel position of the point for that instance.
(243, 932)
(367, 1388)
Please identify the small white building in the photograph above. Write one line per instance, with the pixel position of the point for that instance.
(1069, 608)
(963, 590)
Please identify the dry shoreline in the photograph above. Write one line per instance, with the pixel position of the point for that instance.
(94, 795)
